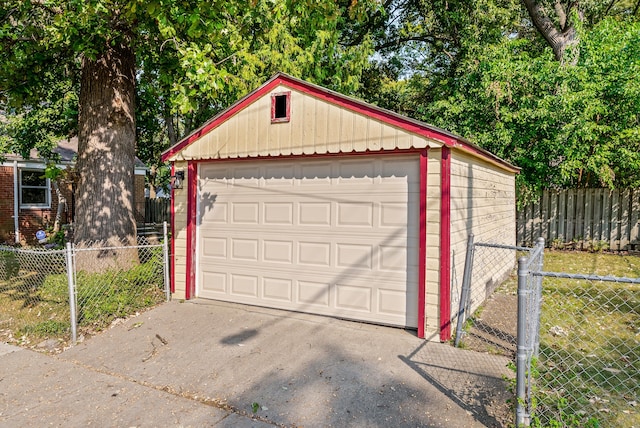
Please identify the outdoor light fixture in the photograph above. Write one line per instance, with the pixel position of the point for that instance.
(177, 179)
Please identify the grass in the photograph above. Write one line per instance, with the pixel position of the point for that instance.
(589, 364)
(34, 297)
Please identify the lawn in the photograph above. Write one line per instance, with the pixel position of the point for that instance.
(34, 295)
(589, 363)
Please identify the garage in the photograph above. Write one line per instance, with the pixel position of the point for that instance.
(303, 199)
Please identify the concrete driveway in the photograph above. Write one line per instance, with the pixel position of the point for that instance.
(205, 363)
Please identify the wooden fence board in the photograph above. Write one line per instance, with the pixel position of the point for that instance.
(624, 218)
(634, 234)
(580, 217)
(545, 216)
(597, 214)
(562, 207)
(588, 215)
(537, 223)
(606, 215)
(614, 230)
(579, 224)
(570, 216)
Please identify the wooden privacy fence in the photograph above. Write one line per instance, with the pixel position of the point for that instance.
(583, 219)
(157, 210)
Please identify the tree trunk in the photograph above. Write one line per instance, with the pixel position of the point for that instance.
(106, 149)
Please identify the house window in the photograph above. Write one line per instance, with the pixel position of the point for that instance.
(34, 189)
(280, 107)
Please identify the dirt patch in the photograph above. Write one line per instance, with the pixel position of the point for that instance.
(494, 328)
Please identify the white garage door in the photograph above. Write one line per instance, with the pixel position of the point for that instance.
(334, 236)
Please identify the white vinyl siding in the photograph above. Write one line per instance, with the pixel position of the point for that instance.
(483, 202)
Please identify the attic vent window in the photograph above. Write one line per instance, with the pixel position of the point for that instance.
(280, 107)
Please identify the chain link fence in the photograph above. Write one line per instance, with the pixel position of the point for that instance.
(574, 339)
(488, 265)
(588, 367)
(30, 305)
(64, 294)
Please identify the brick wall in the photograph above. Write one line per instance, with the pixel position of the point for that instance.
(32, 219)
(6, 204)
(29, 219)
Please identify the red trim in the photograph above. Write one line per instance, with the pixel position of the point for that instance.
(315, 155)
(287, 116)
(190, 286)
(172, 257)
(422, 245)
(445, 245)
(357, 106)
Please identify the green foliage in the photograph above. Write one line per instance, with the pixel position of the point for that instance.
(45, 329)
(102, 297)
(193, 59)
(565, 126)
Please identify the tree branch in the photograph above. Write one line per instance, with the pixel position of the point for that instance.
(557, 39)
(401, 40)
(562, 14)
(544, 25)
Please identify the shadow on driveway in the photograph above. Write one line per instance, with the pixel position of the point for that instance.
(300, 370)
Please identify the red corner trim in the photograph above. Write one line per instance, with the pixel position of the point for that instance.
(172, 262)
(422, 245)
(190, 286)
(445, 245)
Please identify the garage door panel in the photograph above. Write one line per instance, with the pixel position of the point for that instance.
(277, 251)
(347, 251)
(244, 249)
(245, 212)
(278, 289)
(214, 247)
(243, 285)
(329, 237)
(278, 213)
(215, 213)
(314, 214)
(391, 302)
(354, 256)
(358, 214)
(353, 298)
(314, 253)
(214, 282)
(313, 293)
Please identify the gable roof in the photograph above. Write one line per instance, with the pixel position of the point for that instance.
(428, 135)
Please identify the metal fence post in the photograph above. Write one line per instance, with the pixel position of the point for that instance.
(165, 255)
(538, 297)
(466, 287)
(72, 294)
(521, 355)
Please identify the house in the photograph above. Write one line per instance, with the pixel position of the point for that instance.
(28, 201)
(300, 198)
